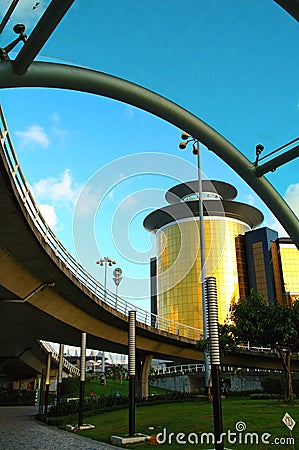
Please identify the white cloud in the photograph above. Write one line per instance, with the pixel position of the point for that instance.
(292, 197)
(55, 117)
(58, 132)
(49, 214)
(88, 202)
(129, 111)
(62, 190)
(250, 199)
(34, 134)
(272, 222)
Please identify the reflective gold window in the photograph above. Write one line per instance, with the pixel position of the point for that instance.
(179, 268)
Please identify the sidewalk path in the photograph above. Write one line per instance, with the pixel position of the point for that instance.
(20, 430)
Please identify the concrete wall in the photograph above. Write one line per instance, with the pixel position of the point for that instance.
(192, 382)
(248, 383)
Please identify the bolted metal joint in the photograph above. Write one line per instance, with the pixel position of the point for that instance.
(19, 29)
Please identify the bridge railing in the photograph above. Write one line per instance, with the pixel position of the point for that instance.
(85, 278)
(180, 369)
(73, 370)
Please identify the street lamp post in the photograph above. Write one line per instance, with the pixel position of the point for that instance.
(106, 261)
(117, 279)
(186, 139)
(132, 369)
(211, 297)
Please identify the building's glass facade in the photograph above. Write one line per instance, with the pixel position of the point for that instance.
(289, 257)
(261, 257)
(238, 256)
(179, 273)
(178, 292)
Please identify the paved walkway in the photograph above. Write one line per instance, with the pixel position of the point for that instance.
(20, 430)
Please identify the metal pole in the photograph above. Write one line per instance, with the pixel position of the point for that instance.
(116, 296)
(117, 279)
(82, 378)
(48, 373)
(132, 370)
(8, 14)
(105, 279)
(203, 269)
(211, 297)
(59, 378)
(105, 286)
(278, 161)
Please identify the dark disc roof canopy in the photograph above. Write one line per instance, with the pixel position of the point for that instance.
(222, 207)
(224, 190)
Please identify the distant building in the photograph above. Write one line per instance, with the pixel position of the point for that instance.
(240, 255)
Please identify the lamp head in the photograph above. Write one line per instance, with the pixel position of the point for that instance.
(182, 145)
(184, 136)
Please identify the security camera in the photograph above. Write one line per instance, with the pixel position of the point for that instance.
(259, 148)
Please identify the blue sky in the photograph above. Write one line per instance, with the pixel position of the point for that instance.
(232, 63)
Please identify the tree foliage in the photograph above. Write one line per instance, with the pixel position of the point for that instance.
(228, 340)
(271, 325)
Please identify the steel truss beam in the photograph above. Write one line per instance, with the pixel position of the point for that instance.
(8, 14)
(41, 74)
(278, 161)
(40, 34)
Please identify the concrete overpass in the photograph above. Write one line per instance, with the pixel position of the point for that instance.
(46, 294)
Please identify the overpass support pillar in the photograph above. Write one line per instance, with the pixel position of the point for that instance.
(143, 366)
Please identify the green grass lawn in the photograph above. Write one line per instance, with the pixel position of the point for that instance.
(260, 416)
(112, 386)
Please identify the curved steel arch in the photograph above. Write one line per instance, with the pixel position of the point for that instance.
(51, 75)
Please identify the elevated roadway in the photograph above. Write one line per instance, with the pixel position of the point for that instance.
(46, 294)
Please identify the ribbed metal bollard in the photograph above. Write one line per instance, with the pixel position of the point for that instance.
(47, 383)
(59, 379)
(211, 301)
(132, 370)
(82, 378)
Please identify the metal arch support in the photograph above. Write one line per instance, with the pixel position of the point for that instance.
(51, 75)
(290, 6)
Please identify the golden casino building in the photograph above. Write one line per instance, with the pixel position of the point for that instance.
(238, 254)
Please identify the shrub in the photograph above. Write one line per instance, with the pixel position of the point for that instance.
(168, 397)
(264, 396)
(296, 384)
(273, 384)
(103, 402)
(108, 402)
